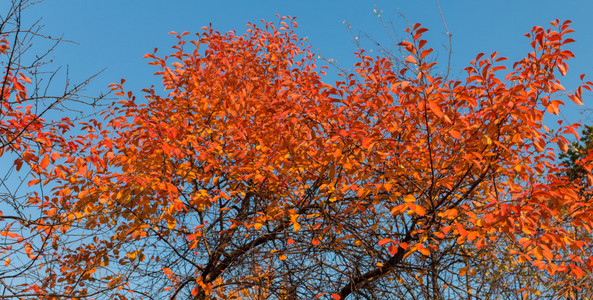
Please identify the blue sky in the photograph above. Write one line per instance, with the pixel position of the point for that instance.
(116, 34)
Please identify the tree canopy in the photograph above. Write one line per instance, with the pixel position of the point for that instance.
(250, 177)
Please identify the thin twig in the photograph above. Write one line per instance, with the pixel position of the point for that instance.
(450, 41)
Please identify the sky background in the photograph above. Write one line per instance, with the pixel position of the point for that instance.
(116, 34)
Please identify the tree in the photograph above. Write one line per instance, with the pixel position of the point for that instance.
(28, 131)
(575, 156)
(252, 178)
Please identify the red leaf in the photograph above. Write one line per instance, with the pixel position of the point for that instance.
(385, 241)
(421, 30)
(425, 53)
(392, 249)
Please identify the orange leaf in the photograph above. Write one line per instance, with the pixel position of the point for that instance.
(562, 145)
(33, 182)
(419, 210)
(462, 271)
(425, 53)
(548, 254)
(562, 69)
(425, 251)
(82, 170)
(44, 162)
(472, 235)
(10, 234)
(578, 272)
(409, 198)
(461, 230)
(455, 134)
(576, 99)
(436, 109)
(55, 156)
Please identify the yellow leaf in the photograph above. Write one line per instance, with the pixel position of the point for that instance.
(132, 255)
(282, 257)
(171, 224)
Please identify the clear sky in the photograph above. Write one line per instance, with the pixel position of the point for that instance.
(116, 34)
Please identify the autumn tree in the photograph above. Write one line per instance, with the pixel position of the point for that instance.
(250, 177)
